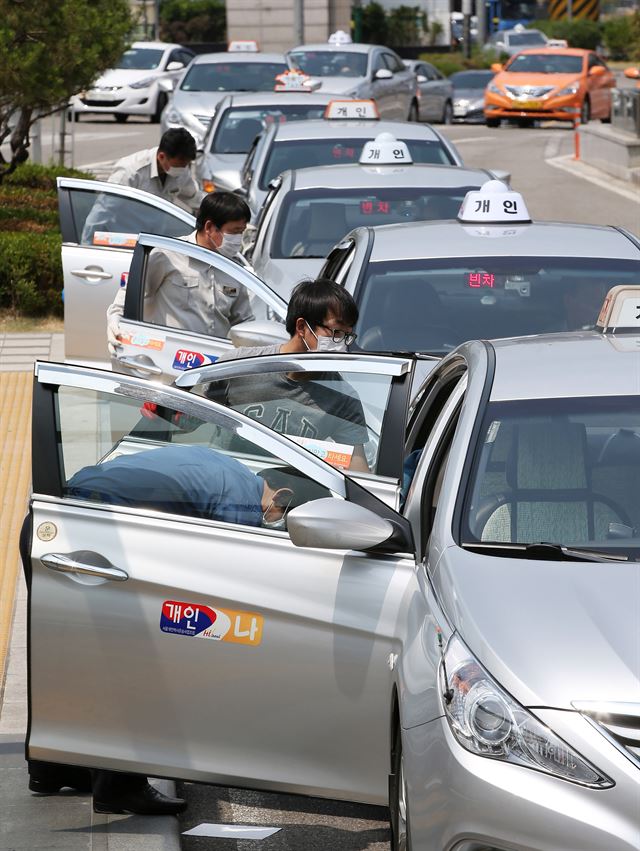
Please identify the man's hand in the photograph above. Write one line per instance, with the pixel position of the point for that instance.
(113, 336)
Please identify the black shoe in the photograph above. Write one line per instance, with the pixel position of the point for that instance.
(47, 778)
(127, 793)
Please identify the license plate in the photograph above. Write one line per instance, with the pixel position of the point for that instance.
(107, 97)
(530, 104)
(459, 111)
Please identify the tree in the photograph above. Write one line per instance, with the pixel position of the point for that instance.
(50, 50)
(374, 24)
(187, 21)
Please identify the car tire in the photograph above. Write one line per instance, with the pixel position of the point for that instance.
(525, 122)
(585, 111)
(120, 117)
(161, 102)
(414, 112)
(447, 113)
(492, 122)
(398, 803)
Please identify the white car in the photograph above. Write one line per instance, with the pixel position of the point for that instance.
(134, 86)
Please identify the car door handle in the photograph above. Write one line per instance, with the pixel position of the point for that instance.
(66, 564)
(133, 363)
(92, 273)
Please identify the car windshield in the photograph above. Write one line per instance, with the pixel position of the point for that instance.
(471, 79)
(305, 153)
(140, 59)
(434, 305)
(562, 471)
(330, 63)
(545, 63)
(232, 77)
(239, 127)
(312, 222)
(531, 37)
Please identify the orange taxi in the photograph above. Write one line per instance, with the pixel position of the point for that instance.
(562, 84)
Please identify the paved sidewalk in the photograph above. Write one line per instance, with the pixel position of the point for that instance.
(28, 822)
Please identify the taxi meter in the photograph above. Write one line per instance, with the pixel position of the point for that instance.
(620, 310)
(494, 203)
(362, 110)
(385, 149)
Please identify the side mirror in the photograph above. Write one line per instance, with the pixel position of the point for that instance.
(334, 524)
(166, 85)
(258, 332)
(382, 74)
(175, 66)
(597, 71)
(632, 73)
(501, 174)
(496, 67)
(421, 78)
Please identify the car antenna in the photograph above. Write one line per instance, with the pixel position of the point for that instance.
(448, 692)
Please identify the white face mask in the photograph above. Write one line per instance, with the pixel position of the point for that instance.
(231, 244)
(177, 171)
(326, 344)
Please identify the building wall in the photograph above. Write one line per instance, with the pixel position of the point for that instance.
(272, 22)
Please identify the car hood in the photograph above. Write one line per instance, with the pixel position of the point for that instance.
(202, 103)
(283, 275)
(468, 94)
(518, 79)
(550, 632)
(227, 175)
(124, 77)
(339, 85)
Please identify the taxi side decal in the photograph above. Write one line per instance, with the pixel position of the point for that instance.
(198, 621)
(186, 359)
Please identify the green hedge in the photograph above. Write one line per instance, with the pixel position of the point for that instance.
(30, 242)
(449, 63)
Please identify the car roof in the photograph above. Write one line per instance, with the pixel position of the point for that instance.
(564, 365)
(355, 176)
(240, 56)
(157, 45)
(338, 48)
(321, 128)
(417, 240)
(520, 31)
(255, 99)
(566, 51)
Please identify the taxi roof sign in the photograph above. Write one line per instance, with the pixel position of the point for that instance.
(385, 149)
(247, 46)
(295, 81)
(493, 203)
(364, 110)
(340, 37)
(620, 310)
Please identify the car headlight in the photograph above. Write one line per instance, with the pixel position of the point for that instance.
(494, 89)
(173, 116)
(488, 722)
(571, 89)
(142, 84)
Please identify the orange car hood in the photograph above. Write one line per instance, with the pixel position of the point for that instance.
(523, 79)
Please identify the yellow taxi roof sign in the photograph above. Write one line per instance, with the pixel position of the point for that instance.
(295, 81)
(363, 110)
(493, 203)
(246, 46)
(385, 149)
(620, 310)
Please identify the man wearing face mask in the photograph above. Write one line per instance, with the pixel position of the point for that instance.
(320, 318)
(163, 171)
(184, 293)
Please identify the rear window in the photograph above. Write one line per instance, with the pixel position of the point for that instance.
(306, 153)
(239, 126)
(545, 63)
(311, 223)
(521, 39)
(232, 77)
(434, 305)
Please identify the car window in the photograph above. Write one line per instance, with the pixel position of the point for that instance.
(529, 37)
(140, 59)
(378, 62)
(239, 126)
(311, 222)
(330, 63)
(118, 451)
(232, 76)
(339, 262)
(434, 305)
(545, 63)
(336, 415)
(106, 219)
(307, 153)
(393, 63)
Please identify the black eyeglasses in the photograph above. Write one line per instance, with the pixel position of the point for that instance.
(338, 335)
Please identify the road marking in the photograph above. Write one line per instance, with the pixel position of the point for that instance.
(231, 831)
(586, 172)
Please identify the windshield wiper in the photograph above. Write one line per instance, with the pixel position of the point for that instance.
(546, 551)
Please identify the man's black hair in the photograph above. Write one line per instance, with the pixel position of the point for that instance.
(178, 142)
(222, 207)
(312, 300)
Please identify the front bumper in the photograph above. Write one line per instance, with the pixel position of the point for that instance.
(469, 115)
(462, 802)
(126, 101)
(549, 109)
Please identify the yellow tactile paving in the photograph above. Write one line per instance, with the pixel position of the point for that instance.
(15, 482)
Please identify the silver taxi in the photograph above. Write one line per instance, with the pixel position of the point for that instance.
(210, 78)
(424, 664)
(311, 209)
(492, 272)
(332, 141)
(361, 71)
(236, 123)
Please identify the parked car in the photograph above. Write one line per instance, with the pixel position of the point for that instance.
(468, 94)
